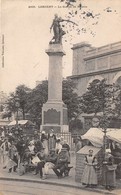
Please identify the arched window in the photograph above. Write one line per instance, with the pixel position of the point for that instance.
(117, 78)
(95, 78)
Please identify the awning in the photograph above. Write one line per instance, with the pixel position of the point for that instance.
(95, 136)
(20, 122)
(114, 134)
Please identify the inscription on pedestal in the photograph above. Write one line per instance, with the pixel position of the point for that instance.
(52, 116)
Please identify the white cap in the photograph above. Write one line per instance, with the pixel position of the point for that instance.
(108, 150)
(43, 132)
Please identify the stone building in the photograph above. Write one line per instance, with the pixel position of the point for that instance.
(90, 63)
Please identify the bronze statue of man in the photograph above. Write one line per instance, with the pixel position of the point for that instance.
(57, 30)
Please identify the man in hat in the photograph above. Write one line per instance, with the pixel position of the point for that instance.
(21, 147)
(50, 162)
(66, 145)
(62, 163)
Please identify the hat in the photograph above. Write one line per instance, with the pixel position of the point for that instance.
(43, 132)
(108, 150)
(31, 143)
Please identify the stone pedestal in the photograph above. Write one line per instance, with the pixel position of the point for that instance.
(54, 111)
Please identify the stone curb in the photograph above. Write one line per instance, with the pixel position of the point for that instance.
(57, 184)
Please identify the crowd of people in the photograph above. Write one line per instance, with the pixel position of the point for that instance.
(36, 153)
(111, 167)
(40, 153)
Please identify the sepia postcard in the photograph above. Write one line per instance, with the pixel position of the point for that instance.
(45, 47)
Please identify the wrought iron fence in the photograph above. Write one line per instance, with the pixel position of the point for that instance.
(71, 139)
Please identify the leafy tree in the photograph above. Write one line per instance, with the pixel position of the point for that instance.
(75, 125)
(31, 101)
(23, 92)
(10, 108)
(7, 114)
(70, 98)
(38, 97)
(20, 97)
(104, 98)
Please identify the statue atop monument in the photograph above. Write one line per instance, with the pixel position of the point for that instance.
(57, 29)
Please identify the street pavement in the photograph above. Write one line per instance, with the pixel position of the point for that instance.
(20, 188)
(68, 182)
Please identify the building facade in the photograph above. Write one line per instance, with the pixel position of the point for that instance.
(91, 63)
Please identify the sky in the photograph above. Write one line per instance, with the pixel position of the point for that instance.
(25, 35)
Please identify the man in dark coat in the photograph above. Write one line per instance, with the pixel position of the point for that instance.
(40, 165)
(62, 163)
(50, 162)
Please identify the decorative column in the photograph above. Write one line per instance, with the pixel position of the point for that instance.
(54, 111)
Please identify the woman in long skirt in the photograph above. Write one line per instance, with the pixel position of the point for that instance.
(44, 141)
(109, 168)
(89, 177)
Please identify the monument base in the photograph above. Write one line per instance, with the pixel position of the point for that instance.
(54, 116)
